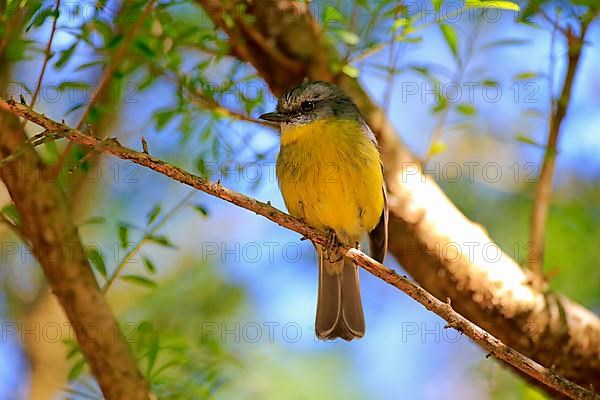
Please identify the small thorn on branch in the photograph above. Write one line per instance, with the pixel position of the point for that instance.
(488, 355)
(144, 145)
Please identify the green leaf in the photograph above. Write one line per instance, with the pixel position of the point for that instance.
(466, 109)
(152, 214)
(139, 280)
(415, 39)
(41, 17)
(201, 167)
(500, 4)
(88, 65)
(65, 56)
(203, 211)
(350, 70)
(451, 38)
(153, 348)
(332, 14)
(11, 212)
(506, 42)
(114, 41)
(76, 370)
(97, 261)
(437, 147)
(74, 108)
(163, 117)
(149, 265)
(161, 240)
(145, 327)
(228, 19)
(144, 48)
(73, 352)
(526, 139)
(399, 23)
(77, 85)
(166, 366)
(93, 221)
(525, 76)
(348, 37)
(123, 235)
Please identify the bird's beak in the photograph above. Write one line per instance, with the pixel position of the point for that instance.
(274, 117)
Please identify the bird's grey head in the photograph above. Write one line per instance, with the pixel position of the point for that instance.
(311, 102)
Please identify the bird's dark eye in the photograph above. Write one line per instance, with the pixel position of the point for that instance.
(307, 106)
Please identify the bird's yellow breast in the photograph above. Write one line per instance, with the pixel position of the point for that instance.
(330, 175)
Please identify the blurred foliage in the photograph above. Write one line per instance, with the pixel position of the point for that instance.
(170, 64)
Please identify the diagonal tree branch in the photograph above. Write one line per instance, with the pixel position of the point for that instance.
(495, 347)
(425, 227)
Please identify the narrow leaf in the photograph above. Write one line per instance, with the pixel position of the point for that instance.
(149, 265)
(162, 240)
(350, 70)
(65, 56)
(97, 261)
(76, 370)
(123, 235)
(139, 280)
(152, 214)
(93, 221)
(451, 38)
(466, 109)
(437, 147)
(500, 4)
(11, 212)
(201, 209)
(153, 348)
(348, 37)
(526, 139)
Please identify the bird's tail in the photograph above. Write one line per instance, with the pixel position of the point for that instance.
(339, 309)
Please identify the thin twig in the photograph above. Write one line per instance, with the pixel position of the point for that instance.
(492, 345)
(34, 141)
(147, 235)
(47, 55)
(543, 192)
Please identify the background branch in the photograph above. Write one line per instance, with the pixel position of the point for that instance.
(543, 192)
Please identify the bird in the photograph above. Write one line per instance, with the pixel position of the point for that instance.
(330, 174)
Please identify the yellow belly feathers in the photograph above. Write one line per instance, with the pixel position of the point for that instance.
(330, 175)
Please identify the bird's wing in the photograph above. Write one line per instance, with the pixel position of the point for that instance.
(378, 237)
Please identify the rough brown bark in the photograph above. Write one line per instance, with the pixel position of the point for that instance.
(56, 244)
(429, 236)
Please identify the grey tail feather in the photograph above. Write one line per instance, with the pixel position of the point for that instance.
(339, 309)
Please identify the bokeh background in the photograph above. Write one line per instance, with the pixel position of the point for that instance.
(226, 298)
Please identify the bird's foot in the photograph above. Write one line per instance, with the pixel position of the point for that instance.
(332, 247)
